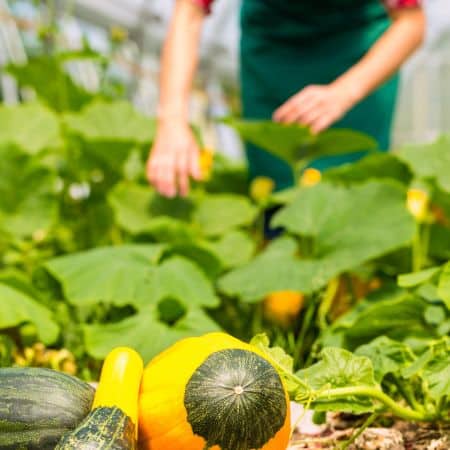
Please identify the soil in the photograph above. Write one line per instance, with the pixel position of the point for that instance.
(398, 435)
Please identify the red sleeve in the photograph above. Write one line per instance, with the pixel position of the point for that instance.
(399, 4)
(205, 4)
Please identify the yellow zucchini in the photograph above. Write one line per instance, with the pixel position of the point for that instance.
(120, 381)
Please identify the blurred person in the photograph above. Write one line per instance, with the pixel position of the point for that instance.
(318, 63)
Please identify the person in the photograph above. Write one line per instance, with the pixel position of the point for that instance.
(319, 63)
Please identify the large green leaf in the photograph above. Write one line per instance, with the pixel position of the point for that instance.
(145, 332)
(348, 225)
(444, 285)
(17, 308)
(373, 166)
(409, 280)
(59, 91)
(218, 214)
(227, 176)
(139, 209)
(437, 374)
(430, 161)
(119, 275)
(398, 318)
(387, 356)
(440, 242)
(234, 248)
(27, 193)
(293, 143)
(178, 278)
(31, 127)
(200, 253)
(111, 121)
(276, 269)
(339, 368)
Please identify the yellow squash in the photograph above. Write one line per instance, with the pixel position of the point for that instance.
(120, 381)
(213, 392)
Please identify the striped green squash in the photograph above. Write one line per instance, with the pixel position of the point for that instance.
(39, 406)
(106, 428)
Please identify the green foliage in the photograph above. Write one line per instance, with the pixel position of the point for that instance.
(397, 316)
(430, 161)
(218, 214)
(116, 122)
(146, 332)
(417, 278)
(139, 209)
(294, 143)
(30, 127)
(346, 382)
(117, 275)
(234, 249)
(387, 356)
(17, 308)
(28, 199)
(444, 285)
(339, 368)
(336, 235)
(377, 166)
(61, 93)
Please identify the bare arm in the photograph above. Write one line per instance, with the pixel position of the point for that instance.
(174, 156)
(321, 106)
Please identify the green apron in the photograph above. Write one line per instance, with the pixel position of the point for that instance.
(289, 44)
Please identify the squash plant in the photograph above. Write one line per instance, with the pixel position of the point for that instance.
(372, 380)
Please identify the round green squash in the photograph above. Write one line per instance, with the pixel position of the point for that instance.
(39, 406)
(213, 392)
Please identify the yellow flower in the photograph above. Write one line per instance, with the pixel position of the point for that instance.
(417, 203)
(118, 34)
(283, 307)
(206, 164)
(310, 177)
(261, 188)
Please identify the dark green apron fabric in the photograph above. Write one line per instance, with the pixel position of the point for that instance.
(287, 45)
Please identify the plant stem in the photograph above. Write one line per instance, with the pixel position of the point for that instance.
(327, 302)
(374, 393)
(369, 421)
(409, 396)
(417, 249)
(298, 354)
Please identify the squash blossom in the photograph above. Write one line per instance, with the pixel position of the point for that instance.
(261, 188)
(310, 177)
(118, 34)
(283, 307)
(418, 203)
(206, 162)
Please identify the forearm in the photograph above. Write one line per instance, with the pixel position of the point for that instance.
(386, 56)
(180, 60)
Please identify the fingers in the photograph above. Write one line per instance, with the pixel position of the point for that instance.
(298, 105)
(161, 173)
(194, 165)
(316, 107)
(182, 172)
(169, 168)
(321, 124)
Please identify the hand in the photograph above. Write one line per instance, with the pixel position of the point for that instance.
(316, 106)
(173, 159)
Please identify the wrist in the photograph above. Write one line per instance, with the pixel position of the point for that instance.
(177, 114)
(352, 90)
